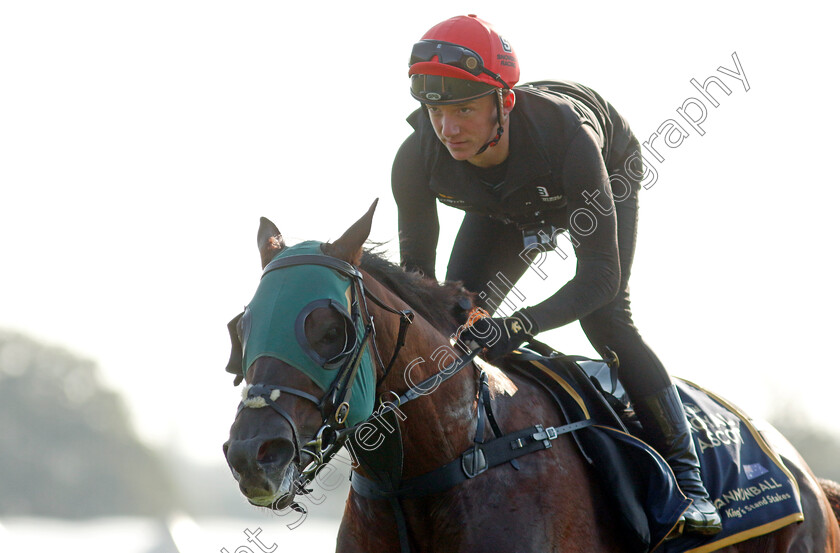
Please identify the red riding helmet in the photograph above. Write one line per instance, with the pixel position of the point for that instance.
(461, 59)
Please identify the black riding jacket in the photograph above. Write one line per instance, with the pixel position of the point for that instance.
(565, 141)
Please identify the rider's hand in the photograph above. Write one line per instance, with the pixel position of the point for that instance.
(500, 335)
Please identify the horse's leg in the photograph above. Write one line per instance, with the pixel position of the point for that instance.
(552, 504)
(367, 525)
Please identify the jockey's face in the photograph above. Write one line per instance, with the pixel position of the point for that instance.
(465, 128)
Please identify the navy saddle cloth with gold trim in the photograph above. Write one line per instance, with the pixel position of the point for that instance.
(748, 482)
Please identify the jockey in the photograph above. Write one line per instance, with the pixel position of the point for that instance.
(526, 163)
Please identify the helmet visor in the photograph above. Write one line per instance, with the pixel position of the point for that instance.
(434, 89)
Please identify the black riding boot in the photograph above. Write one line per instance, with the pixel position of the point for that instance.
(667, 430)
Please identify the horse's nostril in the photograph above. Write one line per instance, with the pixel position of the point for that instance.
(273, 452)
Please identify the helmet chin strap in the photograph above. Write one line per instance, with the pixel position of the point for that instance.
(500, 131)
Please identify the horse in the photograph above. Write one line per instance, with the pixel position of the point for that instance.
(550, 502)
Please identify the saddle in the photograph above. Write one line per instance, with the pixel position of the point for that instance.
(747, 481)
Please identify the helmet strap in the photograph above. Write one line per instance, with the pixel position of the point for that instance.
(501, 130)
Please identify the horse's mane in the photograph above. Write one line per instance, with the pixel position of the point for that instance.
(444, 304)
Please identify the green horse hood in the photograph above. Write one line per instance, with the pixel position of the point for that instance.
(273, 324)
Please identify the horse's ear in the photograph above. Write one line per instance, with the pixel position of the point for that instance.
(269, 240)
(349, 246)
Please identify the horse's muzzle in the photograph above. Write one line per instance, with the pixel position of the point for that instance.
(261, 466)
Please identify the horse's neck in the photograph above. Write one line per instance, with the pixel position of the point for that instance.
(439, 425)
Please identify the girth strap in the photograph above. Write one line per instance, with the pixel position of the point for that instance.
(470, 464)
(402, 525)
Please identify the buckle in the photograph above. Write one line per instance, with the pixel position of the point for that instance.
(341, 412)
(473, 462)
(545, 435)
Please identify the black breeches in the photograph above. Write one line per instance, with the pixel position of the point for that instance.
(611, 326)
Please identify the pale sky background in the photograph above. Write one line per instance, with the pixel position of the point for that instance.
(140, 142)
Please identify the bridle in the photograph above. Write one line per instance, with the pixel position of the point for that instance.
(334, 404)
(334, 407)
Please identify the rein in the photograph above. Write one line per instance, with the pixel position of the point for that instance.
(334, 407)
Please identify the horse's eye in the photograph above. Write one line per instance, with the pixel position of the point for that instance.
(332, 334)
(328, 334)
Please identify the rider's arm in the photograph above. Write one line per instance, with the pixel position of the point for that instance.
(593, 231)
(416, 209)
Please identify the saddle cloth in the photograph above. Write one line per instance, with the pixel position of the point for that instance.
(747, 481)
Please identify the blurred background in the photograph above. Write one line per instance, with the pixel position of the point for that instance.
(140, 142)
